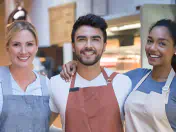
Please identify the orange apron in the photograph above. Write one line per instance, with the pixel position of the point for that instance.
(93, 109)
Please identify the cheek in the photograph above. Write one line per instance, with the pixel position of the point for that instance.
(12, 52)
(146, 48)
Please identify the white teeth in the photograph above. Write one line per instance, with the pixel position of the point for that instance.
(25, 58)
(154, 56)
(89, 53)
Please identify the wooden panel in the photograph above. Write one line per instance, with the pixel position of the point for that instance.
(61, 20)
(3, 53)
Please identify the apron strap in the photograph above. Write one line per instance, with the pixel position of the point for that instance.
(109, 81)
(44, 87)
(169, 80)
(104, 73)
(166, 88)
(6, 82)
(110, 78)
(141, 81)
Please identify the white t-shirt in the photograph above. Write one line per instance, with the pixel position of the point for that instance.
(60, 90)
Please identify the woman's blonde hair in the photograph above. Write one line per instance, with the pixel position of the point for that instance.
(15, 27)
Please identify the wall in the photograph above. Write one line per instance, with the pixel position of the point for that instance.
(40, 18)
(129, 6)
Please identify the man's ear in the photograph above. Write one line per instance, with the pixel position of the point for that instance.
(73, 47)
(104, 48)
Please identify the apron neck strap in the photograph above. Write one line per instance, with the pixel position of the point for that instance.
(167, 84)
(6, 82)
(169, 80)
(141, 81)
(44, 87)
(103, 72)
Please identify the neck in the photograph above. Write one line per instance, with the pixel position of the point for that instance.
(89, 72)
(21, 73)
(161, 73)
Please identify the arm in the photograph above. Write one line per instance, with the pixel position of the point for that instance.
(68, 70)
(53, 117)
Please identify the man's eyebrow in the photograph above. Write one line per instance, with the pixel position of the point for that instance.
(80, 36)
(96, 36)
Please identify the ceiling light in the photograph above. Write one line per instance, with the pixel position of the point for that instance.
(125, 27)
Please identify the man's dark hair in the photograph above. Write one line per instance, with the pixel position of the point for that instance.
(90, 20)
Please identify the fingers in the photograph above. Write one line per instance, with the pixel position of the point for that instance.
(74, 67)
(64, 74)
(69, 69)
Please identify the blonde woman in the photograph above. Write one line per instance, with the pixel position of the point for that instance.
(24, 99)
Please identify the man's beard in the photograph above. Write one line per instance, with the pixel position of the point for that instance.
(88, 63)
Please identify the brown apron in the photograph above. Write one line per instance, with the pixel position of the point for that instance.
(93, 109)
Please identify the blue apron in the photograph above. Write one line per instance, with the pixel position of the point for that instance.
(24, 113)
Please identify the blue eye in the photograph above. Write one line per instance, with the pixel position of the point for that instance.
(30, 44)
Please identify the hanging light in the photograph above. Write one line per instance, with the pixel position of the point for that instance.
(18, 14)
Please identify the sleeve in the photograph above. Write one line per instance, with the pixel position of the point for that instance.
(122, 86)
(127, 88)
(52, 104)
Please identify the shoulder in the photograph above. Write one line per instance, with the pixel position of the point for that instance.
(3, 71)
(139, 72)
(57, 83)
(123, 81)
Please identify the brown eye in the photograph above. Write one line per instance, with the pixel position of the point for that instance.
(162, 44)
(95, 39)
(81, 39)
(149, 41)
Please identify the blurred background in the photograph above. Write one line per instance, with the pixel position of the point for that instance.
(128, 23)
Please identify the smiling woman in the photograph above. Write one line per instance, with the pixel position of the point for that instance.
(23, 92)
(152, 101)
(22, 47)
